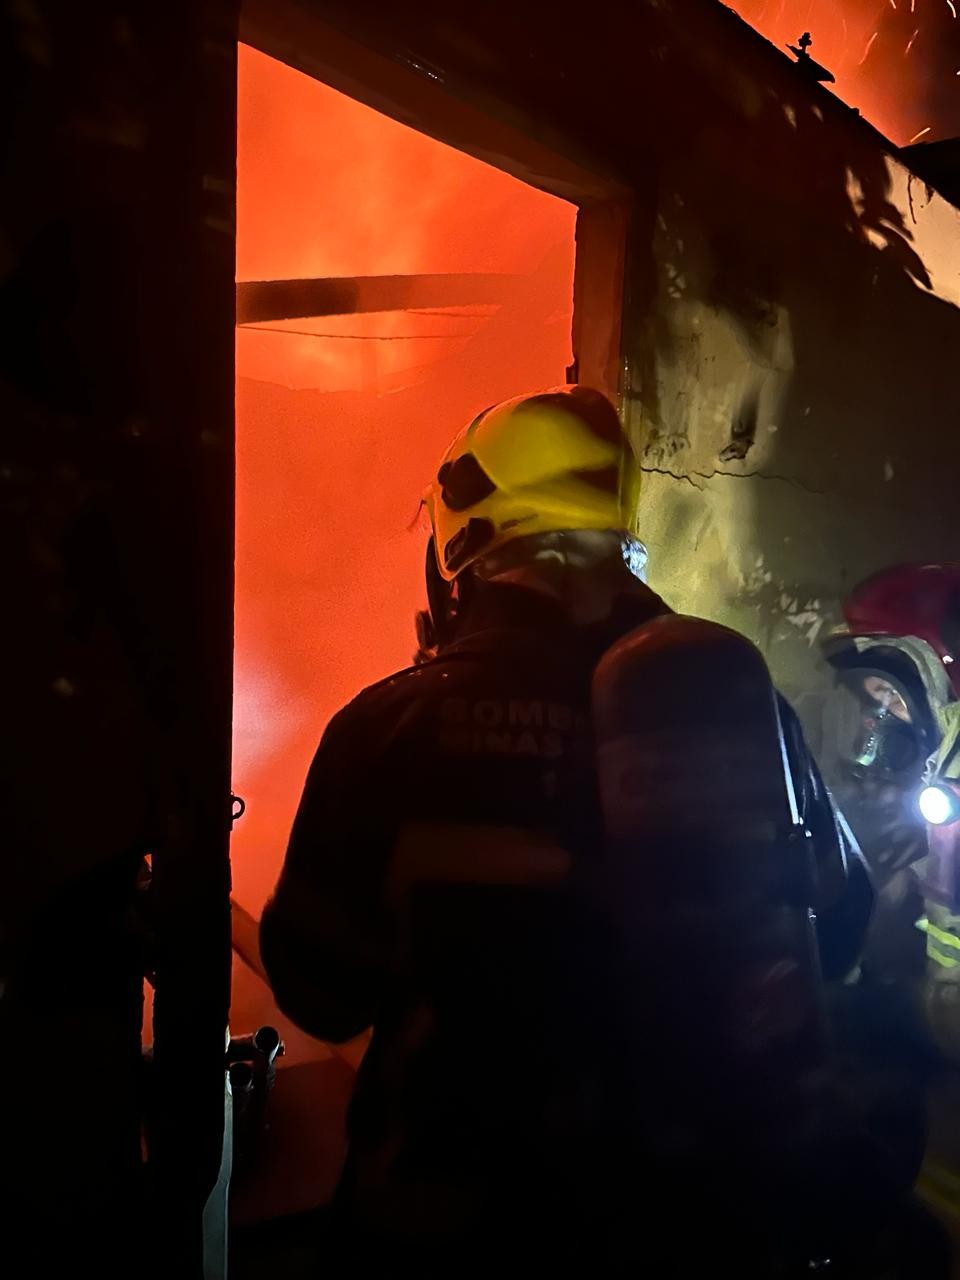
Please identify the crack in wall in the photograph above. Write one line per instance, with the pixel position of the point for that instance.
(735, 475)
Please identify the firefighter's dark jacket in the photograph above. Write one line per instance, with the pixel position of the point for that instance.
(386, 913)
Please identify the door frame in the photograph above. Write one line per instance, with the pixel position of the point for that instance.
(414, 95)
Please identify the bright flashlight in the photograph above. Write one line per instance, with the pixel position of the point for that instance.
(938, 805)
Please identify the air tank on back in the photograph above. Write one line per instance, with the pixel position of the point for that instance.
(713, 876)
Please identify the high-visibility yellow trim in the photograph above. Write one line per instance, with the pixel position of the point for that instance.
(941, 945)
(947, 762)
(942, 935)
(942, 958)
(940, 1187)
(455, 853)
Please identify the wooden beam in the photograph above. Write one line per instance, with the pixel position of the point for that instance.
(259, 301)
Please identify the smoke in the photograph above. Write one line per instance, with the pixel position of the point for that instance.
(897, 61)
(338, 433)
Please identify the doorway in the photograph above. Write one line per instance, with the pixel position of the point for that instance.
(429, 285)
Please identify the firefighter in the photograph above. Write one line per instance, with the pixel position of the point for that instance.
(939, 803)
(894, 679)
(889, 753)
(441, 884)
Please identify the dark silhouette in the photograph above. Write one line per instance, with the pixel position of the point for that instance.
(807, 64)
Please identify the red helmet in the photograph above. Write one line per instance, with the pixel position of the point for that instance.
(921, 600)
(897, 654)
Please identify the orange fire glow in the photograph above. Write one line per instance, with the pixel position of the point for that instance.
(340, 419)
(895, 60)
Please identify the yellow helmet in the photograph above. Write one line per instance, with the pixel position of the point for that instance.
(538, 463)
